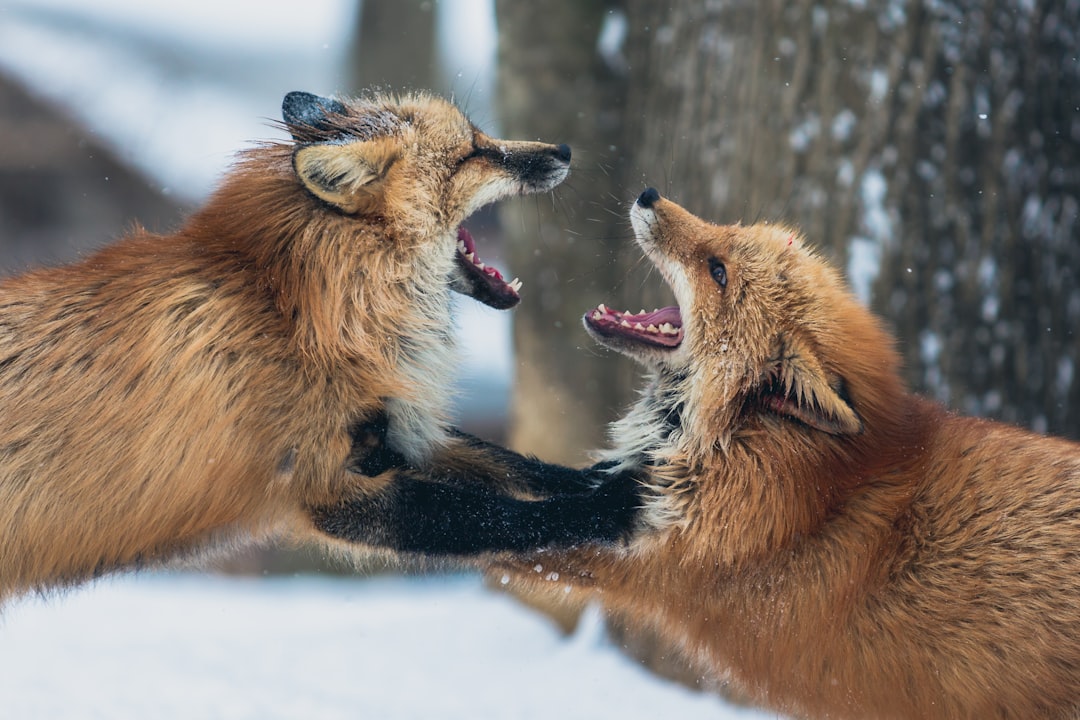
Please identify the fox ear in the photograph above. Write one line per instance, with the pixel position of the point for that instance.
(302, 110)
(801, 389)
(348, 176)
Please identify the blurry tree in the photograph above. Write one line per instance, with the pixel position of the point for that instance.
(931, 149)
(394, 46)
(561, 79)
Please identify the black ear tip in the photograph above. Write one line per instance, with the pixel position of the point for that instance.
(563, 152)
(296, 100)
(304, 108)
(648, 198)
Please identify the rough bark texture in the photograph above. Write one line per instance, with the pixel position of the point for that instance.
(931, 149)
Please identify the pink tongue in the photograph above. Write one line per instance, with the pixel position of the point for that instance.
(661, 316)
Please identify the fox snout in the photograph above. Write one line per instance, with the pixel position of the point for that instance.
(538, 166)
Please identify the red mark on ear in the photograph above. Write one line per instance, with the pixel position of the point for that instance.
(790, 239)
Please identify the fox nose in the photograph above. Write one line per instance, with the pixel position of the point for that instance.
(648, 198)
(562, 152)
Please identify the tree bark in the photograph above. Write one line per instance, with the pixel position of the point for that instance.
(553, 85)
(931, 150)
(394, 46)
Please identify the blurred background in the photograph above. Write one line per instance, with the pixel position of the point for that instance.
(931, 149)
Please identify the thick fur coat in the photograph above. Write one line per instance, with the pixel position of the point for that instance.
(833, 544)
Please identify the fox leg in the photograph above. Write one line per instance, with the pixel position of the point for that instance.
(412, 514)
(462, 504)
(468, 460)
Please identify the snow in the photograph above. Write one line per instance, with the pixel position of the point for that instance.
(193, 646)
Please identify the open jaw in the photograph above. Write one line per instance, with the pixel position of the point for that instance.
(661, 329)
(479, 281)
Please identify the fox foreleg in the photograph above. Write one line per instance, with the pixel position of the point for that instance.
(466, 502)
(412, 514)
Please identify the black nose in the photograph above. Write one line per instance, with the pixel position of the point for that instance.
(563, 153)
(648, 198)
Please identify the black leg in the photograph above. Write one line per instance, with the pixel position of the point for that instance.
(414, 515)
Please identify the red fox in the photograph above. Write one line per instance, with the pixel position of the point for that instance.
(169, 394)
(813, 532)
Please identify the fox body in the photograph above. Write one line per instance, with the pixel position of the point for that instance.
(828, 541)
(172, 393)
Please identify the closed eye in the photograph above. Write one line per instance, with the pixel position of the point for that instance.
(718, 272)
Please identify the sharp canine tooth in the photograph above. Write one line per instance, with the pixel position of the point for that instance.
(602, 308)
(625, 324)
(596, 315)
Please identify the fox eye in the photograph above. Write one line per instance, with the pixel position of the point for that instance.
(718, 272)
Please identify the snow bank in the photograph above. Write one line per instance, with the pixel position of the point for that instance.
(188, 646)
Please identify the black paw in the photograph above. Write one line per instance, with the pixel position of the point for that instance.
(370, 454)
(617, 504)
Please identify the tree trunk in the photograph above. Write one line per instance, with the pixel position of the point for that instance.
(394, 46)
(931, 150)
(553, 85)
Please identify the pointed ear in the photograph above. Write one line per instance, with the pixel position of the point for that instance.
(348, 176)
(302, 110)
(801, 389)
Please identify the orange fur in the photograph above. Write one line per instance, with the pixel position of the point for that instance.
(832, 543)
(173, 393)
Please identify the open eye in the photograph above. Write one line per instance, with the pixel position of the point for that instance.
(718, 272)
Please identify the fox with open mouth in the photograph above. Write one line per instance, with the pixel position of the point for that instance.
(175, 393)
(813, 532)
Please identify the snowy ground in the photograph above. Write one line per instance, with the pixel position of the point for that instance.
(193, 646)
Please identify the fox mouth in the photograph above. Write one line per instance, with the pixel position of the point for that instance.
(660, 329)
(479, 281)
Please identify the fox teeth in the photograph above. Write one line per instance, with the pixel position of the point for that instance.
(639, 326)
(668, 329)
(515, 285)
(652, 329)
(597, 315)
(602, 308)
(461, 247)
(641, 312)
(625, 324)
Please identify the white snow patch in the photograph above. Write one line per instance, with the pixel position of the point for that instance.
(879, 85)
(843, 124)
(179, 647)
(611, 38)
(865, 250)
(864, 265)
(803, 134)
